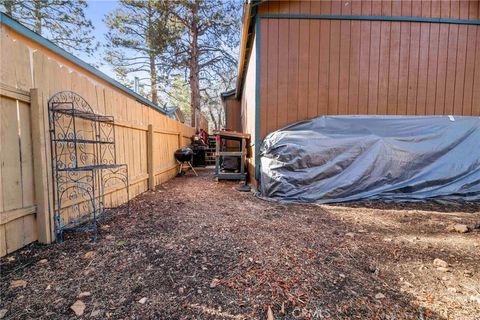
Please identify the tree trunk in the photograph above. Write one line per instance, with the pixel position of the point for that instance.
(38, 17)
(151, 55)
(193, 66)
(220, 122)
(212, 116)
(153, 78)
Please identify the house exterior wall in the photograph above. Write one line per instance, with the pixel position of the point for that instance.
(455, 9)
(311, 67)
(248, 108)
(233, 117)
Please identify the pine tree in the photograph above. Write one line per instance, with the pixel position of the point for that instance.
(178, 95)
(207, 37)
(61, 21)
(136, 38)
(8, 6)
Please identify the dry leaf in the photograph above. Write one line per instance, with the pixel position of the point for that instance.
(78, 307)
(84, 294)
(88, 255)
(3, 312)
(18, 283)
(270, 314)
(215, 282)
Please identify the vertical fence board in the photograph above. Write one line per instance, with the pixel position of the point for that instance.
(26, 154)
(10, 160)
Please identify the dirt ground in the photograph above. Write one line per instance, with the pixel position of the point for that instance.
(198, 249)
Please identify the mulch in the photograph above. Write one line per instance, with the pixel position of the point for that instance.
(198, 249)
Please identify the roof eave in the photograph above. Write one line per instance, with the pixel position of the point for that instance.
(248, 23)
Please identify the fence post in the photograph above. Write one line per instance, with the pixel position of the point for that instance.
(150, 158)
(40, 138)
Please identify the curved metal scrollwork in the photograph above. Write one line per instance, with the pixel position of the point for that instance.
(69, 100)
(83, 162)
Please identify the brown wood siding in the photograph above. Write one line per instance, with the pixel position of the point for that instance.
(248, 104)
(328, 67)
(233, 120)
(455, 9)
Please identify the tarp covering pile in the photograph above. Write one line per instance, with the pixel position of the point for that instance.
(346, 158)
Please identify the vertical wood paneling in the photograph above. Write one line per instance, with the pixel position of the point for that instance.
(460, 69)
(451, 69)
(264, 80)
(420, 8)
(283, 78)
(292, 63)
(469, 71)
(354, 68)
(334, 60)
(303, 63)
(344, 70)
(384, 69)
(324, 61)
(413, 68)
(372, 107)
(432, 69)
(403, 69)
(476, 79)
(334, 67)
(313, 74)
(368, 67)
(272, 74)
(364, 60)
(423, 69)
(394, 66)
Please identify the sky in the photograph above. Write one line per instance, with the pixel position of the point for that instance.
(96, 11)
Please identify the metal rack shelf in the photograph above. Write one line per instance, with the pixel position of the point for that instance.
(95, 167)
(222, 138)
(84, 163)
(79, 114)
(84, 141)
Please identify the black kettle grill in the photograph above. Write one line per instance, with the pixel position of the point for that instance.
(184, 157)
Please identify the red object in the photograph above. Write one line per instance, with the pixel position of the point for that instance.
(217, 138)
(204, 136)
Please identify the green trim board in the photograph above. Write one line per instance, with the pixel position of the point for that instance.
(371, 18)
(24, 31)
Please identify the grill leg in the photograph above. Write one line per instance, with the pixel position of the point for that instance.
(191, 167)
(180, 168)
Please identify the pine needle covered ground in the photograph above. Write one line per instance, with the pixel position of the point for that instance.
(198, 249)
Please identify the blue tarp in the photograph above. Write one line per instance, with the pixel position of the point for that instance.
(345, 158)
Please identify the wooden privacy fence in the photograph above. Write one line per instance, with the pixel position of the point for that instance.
(146, 138)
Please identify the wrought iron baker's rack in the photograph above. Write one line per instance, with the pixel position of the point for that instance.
(84, 163)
